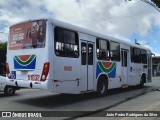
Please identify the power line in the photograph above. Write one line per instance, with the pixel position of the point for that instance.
(136, 15)
(150, 3)
(116, 18)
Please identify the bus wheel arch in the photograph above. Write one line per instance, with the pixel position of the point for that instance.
(102, 85)
(143, 80)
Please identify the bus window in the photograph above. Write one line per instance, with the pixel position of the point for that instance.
(66, 43)
(144, 56)
(135, 55)
(102, 49)
(83, 53)
(138, 55)
(124, 58)
(115, 51)
(90, 54)
(132, 54)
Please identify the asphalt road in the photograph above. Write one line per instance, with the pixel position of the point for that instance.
(130, 99)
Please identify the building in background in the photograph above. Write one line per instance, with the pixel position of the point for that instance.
(156, 65)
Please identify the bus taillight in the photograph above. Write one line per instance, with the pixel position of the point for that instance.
(8, 71)
(45, 71)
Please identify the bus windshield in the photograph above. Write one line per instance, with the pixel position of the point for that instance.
(29, 35)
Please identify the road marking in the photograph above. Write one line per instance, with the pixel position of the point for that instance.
(145, 109)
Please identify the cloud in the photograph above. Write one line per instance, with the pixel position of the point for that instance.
(109, 17)
(145, 25)
(4, 34)
(156, 53)
(149, 45)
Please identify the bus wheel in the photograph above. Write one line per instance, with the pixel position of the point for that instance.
(9, 91)
(102, 86)
(143, 78)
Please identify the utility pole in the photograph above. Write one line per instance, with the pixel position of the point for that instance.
(153, 3)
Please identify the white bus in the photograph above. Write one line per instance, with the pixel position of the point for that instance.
(62, 58)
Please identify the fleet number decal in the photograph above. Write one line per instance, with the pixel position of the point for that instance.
(34, 77)
(67, 68)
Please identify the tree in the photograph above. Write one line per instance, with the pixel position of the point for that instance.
(3, 51)
(156, 2)
(3, 45)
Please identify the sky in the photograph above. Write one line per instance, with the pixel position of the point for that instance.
(126, 20)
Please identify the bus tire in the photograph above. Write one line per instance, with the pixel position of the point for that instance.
(9, 91)
(143, 79)
(102, 86)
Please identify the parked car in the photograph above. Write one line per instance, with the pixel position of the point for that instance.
(8, 90)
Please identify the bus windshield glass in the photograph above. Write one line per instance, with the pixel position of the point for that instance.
(29, 35)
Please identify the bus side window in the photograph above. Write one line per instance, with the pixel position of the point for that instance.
(132, 54)
(138, 55)
(135, 55)
(83, 53)
(90, 54)
(115, 51)
(143, 56)
(66, 43)
(102, 49)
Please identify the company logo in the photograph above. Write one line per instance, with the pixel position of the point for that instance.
(6, 114)
(21, 114)
(25, 62)
(106, 67)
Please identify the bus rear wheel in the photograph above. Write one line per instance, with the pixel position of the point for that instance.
(142, 81)
(102, 86)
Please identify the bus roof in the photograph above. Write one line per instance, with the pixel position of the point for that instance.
(59, 23)
(89, 32)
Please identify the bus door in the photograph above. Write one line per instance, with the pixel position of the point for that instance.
(125, 66)
(87, 66)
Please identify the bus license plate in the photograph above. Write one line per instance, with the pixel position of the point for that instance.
(24, 72)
